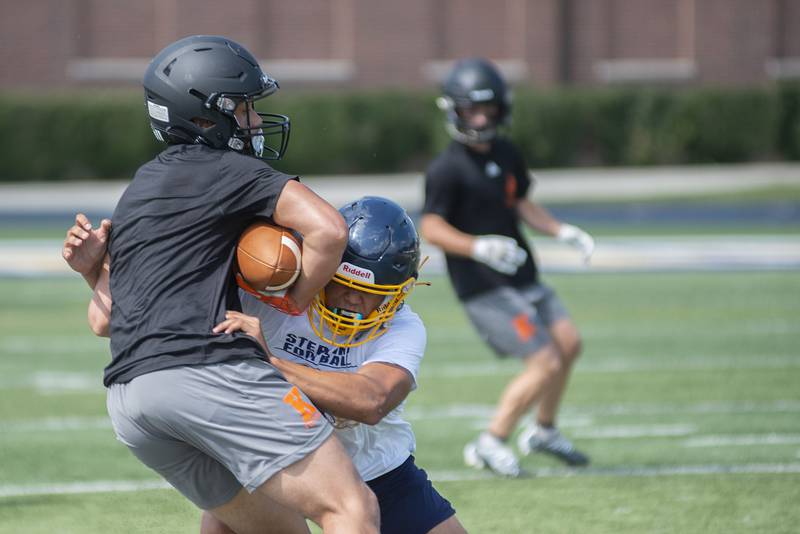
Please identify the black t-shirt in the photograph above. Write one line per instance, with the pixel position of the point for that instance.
(477, 194)
(173, 241)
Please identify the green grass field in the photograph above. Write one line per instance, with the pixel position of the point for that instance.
(687, 398)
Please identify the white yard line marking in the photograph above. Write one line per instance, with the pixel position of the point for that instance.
(99, 486)
(742, 440)
(629, 471)
(712, 407)
(465, 334)
(56, 424)
(699, 363)
(581, 430)
(613, 254)
(109, 486)
(634, 431)
(52, 344)
(63, 382)
(53, 383)
(572, 417)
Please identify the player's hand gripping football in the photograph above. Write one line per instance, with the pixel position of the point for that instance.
(84, 246)
(572, 235)
(239, 322)
(499, 252)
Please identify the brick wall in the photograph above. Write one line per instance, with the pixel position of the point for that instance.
(368, 43)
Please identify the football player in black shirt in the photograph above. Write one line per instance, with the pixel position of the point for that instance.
(476, 197)
(203, 409)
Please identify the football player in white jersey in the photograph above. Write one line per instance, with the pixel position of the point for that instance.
(356, 355)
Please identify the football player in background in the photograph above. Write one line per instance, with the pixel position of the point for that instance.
(357, 355)
(476, 198)
(207, 411)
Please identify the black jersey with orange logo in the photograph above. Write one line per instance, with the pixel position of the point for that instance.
(477, 194)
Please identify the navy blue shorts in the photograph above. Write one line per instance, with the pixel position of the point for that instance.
(408, 501)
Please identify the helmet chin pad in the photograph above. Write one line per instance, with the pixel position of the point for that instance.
(344, 328)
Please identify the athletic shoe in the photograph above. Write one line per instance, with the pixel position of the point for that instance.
(489, 452)
(534, 438)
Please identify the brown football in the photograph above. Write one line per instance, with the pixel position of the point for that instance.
(269, 256)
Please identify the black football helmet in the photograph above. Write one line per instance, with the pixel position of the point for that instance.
(205, 77)
(470, 82)
(382, 258)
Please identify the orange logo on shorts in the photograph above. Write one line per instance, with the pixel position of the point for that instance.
(307, 410)
(524, 328)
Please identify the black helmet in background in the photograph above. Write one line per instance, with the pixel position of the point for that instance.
(474, 81)
(205, 77)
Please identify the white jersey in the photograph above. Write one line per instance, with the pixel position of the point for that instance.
(376, 449)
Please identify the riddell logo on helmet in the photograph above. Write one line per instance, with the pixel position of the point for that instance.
(362, 275)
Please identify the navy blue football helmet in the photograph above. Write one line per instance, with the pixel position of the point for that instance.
(205, 77)
(474, 81)
(382, 257)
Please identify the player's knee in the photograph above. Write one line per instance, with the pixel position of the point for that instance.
(548, 362)
(568, 340)
(367, 507)
(359, 508)
(554, 364)
(573, 349)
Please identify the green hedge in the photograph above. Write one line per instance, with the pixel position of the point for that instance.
(105, 135)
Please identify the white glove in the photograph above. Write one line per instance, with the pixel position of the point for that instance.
(572, 235)
(499, 252)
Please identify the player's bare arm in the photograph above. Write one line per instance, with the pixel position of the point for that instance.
(324, 238)
(437, 231)
(537, 217)
(500, 252)
(365, 396)
(84, 247)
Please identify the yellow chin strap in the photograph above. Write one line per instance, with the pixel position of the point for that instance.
(343, 331)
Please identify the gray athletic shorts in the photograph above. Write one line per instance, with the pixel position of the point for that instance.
(515, 321)
(211, 430)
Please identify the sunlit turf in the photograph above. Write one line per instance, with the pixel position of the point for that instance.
(682, 370)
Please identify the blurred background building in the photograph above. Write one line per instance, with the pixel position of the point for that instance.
(380, 43)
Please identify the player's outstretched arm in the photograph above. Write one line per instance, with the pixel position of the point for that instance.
(501, 253)
(324, 238)
(365, 396)
(538, 218)
(437, 231)
(84, 247)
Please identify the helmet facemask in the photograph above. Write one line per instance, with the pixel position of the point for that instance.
(459, 128)
(252, 139)
(344, 328)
